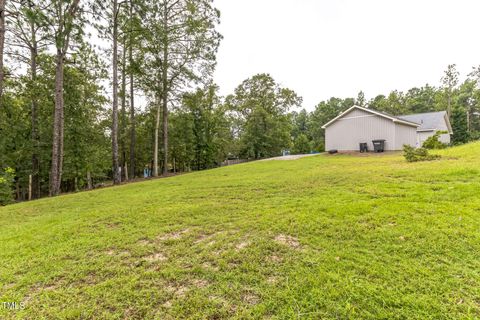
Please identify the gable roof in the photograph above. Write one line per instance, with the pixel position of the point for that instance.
(430, 121)
(375, 112)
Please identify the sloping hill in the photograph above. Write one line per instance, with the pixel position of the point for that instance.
(321, 237)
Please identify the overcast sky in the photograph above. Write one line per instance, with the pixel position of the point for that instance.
(325, 48)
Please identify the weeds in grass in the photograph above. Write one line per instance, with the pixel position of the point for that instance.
(343, 237)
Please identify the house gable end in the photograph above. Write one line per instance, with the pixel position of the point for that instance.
(360, 111)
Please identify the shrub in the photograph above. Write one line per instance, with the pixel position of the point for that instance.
(434, 142)
(6, 186)
(421, 154)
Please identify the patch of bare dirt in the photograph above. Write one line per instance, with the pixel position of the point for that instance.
(115, 252)
(179, 290)
(144, 242)
(209, 266)
(272, 280)
(113, 225)
(173, 235)
(289, 241)
(8, 286)
(242, 245)
(38, 288)
(200, 283)
(275, 258)
(217, 252)
(156, 257)
(90, 279)
(250, 299)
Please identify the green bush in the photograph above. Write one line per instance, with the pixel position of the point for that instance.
(421, 154)
(434, 142)
(6, 186)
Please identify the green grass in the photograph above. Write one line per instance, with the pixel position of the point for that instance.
(343, 236)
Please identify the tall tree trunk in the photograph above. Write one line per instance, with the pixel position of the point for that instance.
(116, 173)
(155, 147)
(165, 130)
(2, 44)
(449, 106)
(165, 91)
(89, 180)
(132, 124)
(57, 144)
(63, 34)
(35, 188)
(132, 101)
(123, 111)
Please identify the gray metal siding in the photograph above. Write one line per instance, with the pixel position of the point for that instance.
(405, 135)
(358, 113)
(358, 126)
(445, 138)
(424, 135)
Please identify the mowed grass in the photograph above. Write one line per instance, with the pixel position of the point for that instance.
(324, 237)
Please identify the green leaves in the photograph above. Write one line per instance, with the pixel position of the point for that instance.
(412, 154)
(6, 185)
(262, 109)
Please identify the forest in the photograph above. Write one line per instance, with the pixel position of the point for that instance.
(76, 115)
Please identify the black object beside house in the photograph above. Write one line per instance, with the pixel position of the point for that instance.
(378, 145)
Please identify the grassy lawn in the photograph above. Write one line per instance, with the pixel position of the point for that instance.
(323, 237)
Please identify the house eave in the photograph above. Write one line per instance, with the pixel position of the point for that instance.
(412, 124)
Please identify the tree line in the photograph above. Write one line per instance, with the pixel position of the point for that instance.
(461, 100)
(74, 115)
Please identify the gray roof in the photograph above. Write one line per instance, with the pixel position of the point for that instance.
(429, 121)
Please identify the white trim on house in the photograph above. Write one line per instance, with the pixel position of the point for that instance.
(408, 123)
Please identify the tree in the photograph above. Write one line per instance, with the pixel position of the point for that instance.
(132, 21)
(116, 168)
(210, 128)
(300, 123)
(27, 41)
(361, 101)
(261, 107)
(182, 43)
(459, 127)
(301, 145)
(450, 81)
(63, 21)
(2, 44)
(466, 99)
(6, 182)
(474, 105)
(421, 100)
(393, 104)
(109, 11)
(87, 147)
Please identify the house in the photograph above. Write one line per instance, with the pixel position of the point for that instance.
(431, 123)
(362, 125)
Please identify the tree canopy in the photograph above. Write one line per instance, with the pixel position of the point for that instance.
(75, 116)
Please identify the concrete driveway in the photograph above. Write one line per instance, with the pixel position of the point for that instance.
(291, 157)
